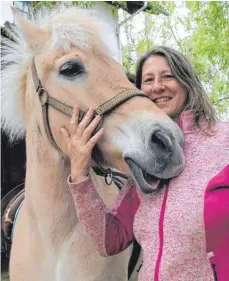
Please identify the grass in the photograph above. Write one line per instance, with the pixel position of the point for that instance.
(5, 277)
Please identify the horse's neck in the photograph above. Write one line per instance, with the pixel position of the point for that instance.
(48, 198)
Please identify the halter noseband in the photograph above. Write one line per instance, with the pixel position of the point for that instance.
(46, 100)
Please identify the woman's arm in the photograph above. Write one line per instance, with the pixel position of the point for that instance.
(111, 230)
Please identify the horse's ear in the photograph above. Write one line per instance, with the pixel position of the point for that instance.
(34, 35)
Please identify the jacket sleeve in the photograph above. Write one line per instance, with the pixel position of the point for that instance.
(111, 230)
(216, 217)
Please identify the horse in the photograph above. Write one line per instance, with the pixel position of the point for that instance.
(67, 57)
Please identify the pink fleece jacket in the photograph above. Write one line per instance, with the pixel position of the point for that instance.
(171, 224)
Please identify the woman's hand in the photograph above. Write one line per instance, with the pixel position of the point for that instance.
(80, 142)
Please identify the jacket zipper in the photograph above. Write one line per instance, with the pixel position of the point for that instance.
(161, 234)
(211, 258)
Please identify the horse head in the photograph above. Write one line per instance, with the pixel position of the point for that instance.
(73, 61)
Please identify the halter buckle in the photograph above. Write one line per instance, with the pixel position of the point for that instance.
(108, 176)
(43, 96)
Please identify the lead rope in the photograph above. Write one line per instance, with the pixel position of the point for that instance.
(110, 176)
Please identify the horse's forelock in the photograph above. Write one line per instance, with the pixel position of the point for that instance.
(91, 26)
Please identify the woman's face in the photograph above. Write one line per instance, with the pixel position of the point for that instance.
(162, 87)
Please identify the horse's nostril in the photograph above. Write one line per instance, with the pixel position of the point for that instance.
(161, 140)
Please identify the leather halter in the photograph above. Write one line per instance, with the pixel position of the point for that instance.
(106, 107)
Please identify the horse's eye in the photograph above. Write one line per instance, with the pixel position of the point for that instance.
(72, 68)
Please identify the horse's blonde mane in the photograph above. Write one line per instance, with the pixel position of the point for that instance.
(16, 56)
(13, 73)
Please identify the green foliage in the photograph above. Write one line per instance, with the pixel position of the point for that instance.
(51, 4)
(48, 4)
(144, 46)
(156, 8)
(5, 277)
(85, 4)
(119, 4)
(212, 33)
(116, 5)
(209, 46)
(169, 5)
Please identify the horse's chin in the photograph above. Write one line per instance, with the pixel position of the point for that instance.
(147, 182)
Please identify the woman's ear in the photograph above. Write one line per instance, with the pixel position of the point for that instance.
(35, 36)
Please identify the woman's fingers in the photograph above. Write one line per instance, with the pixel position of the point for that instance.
(80, 142)
(65, 134)
(87, 134)
(74, 120)
(82, 132)
(75, 115)
(93, 140)
(86, 121)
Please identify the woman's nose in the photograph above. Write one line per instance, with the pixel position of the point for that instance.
(158, 86)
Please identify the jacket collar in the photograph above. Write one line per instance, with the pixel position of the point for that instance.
(187, 123)
(188, 126)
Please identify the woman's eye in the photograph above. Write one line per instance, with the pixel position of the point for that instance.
(168, 77)
(148, 80)
(72, 68)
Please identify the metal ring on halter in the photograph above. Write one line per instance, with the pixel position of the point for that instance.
(109, 176)
(43, 96)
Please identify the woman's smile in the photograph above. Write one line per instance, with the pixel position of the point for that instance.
(162, 100)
